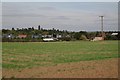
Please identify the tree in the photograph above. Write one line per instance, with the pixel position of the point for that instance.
(32, 28)
(77, 35)
(39, 27)
(83, 37)
(13, 29)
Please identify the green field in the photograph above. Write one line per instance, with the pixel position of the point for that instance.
(20, 55)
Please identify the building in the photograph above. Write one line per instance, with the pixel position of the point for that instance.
(36, 36)
(59, 36)
(114, 34)
(10, 36)
(98, 39)
(47, 36)
(48, 39)
(22, 36)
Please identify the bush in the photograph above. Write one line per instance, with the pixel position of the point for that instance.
(111, 37)
(66, 39)
(83, 37)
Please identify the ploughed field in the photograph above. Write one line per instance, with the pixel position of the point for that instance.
(60, 59)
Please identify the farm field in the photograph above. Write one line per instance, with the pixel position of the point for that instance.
(60, 59)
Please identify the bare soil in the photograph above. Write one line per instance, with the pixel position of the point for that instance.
(84, 69)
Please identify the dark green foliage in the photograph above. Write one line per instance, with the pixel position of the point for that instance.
(111, 37)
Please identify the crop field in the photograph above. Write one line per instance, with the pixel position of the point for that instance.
(22, 58)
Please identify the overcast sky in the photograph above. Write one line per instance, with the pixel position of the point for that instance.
(60, 0)
(74, 16)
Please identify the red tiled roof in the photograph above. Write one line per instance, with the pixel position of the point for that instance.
(22, 36)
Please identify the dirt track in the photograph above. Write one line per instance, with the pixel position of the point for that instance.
(84, 69)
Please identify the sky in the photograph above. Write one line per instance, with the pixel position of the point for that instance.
(59, 0)
(71, 16)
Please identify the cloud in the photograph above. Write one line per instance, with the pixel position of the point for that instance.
(47, 8)
(23, 15)
(72, 16)
(60, 0)
(61, 18)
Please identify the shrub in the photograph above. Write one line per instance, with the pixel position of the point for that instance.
(83, 37)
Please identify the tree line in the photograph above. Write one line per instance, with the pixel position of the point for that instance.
(65, 35)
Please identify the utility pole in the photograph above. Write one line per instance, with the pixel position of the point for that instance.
(102, 26)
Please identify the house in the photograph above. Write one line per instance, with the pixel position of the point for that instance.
(59, 36)
(114, 34)
(4, 35)
(22, 36)
(36, 36)
(47, 36)
(98, 39)
(11, 36)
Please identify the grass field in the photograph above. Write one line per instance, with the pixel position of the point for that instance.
(30, 54)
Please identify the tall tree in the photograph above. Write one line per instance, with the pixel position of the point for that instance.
(39, 27)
